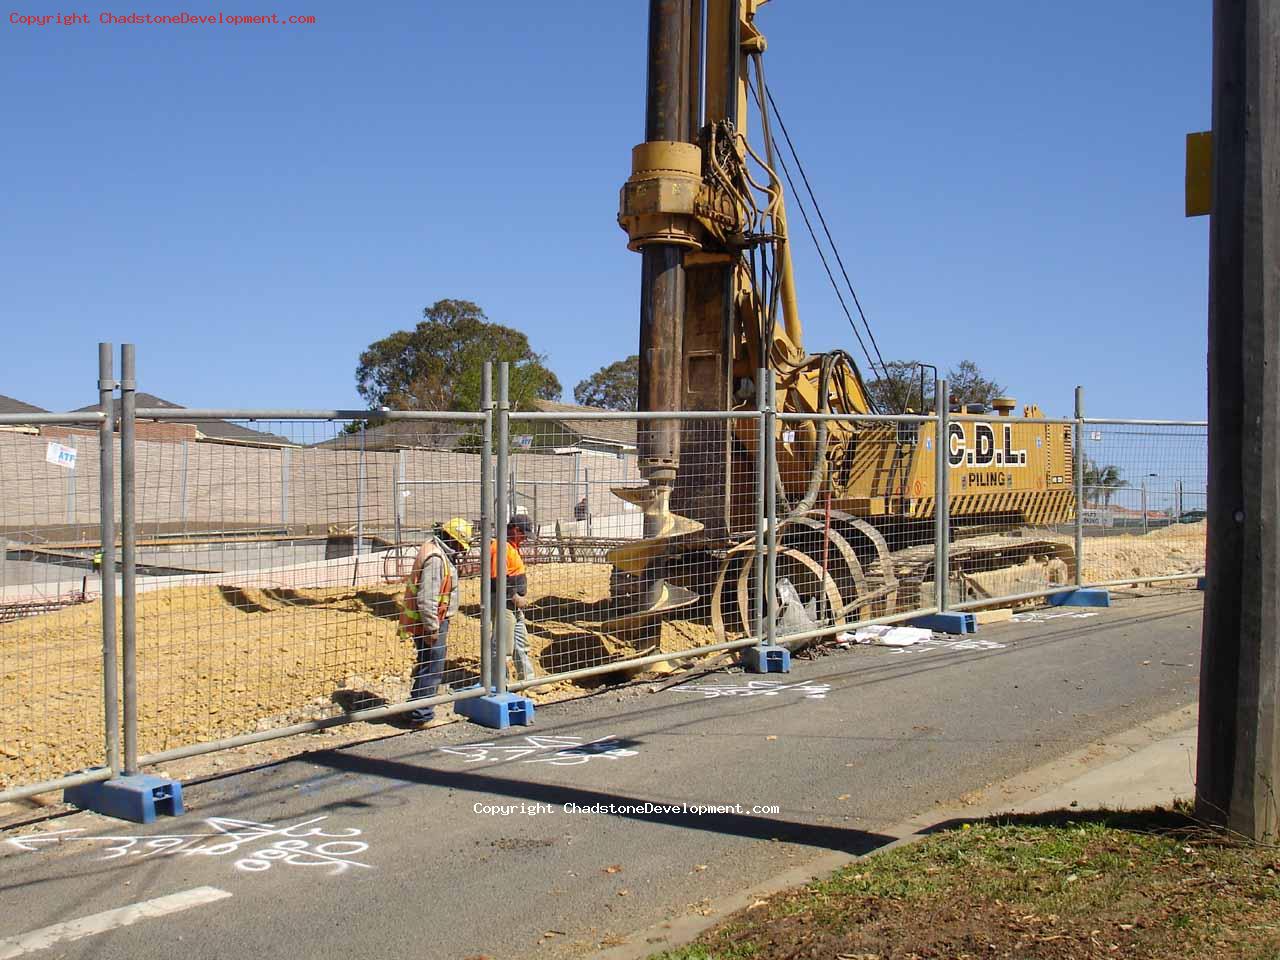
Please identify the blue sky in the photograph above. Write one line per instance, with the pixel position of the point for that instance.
(252, 206)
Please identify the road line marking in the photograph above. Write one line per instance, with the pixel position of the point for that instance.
(107, 920)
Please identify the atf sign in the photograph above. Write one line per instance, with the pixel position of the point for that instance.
(56, 453)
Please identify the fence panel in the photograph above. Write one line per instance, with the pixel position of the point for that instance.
(1011, 486)
(268, 592)
(1144, 500)
(51, 587)
(608, 588)
(856, 535)
(272, 554)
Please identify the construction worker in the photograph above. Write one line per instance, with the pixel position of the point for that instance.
(515, 630)
(430, 601)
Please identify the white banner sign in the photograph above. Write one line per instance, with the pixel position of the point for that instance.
(62, 456)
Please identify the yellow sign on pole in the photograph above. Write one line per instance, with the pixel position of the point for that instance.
(1199, 174)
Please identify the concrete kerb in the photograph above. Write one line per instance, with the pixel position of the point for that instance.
(1149, 758)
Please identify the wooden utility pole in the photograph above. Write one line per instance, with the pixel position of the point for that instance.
(1238, 771)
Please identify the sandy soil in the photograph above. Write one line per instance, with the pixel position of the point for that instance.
(1178, 548)
(215, 662)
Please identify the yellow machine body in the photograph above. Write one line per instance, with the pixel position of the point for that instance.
(1018, 471)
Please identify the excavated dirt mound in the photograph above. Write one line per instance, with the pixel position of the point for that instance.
(1178, 548)
(219, 661)
(1175, 549)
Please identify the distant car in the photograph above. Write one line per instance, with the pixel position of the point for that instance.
(1192, 516)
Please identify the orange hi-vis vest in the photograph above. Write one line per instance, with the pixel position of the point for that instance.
(515, 562)
(517, 580)
(410, 615)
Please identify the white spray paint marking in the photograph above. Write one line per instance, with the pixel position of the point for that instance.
(294, 846)
(557, 751)
(947, 646)
(757, 688)
(1038, 616)
(57, 933)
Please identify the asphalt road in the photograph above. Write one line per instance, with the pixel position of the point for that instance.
(455, 842)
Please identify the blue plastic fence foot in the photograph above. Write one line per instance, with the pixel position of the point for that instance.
(138, 799)
(1202, 583)
(497, 710)
(766, 659)
(951, 622)
(1081, 598)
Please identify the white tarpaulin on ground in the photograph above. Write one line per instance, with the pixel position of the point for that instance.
(886, 636)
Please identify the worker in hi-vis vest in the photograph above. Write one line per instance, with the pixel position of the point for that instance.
(430, 601)
(514, 630)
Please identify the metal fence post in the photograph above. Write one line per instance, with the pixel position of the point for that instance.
(1078, 458)
(577, 476)
(360, 494)
(69, 485)
(513, 494)
(286, 458)
(107, 566)
(182, 484)
(941, 495)
(397, 496)
(771, 508)
(128, 557)
(501, 515)
(762, 501)
(488, 661)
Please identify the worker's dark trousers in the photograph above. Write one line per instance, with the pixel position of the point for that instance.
(427, 671)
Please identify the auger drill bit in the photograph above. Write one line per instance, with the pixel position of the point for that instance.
(647, 558)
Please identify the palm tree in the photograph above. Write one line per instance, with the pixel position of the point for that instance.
(1106, 480)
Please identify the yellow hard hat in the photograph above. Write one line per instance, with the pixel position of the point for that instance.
(458, 530)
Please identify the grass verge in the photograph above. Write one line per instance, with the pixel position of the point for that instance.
(1151, 884)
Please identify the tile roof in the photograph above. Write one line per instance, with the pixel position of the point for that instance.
(220, 430)
(444, 435)
(621, 432)
(10, 405)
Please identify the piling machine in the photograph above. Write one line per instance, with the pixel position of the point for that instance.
(705, 208)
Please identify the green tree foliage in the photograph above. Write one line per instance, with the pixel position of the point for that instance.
(614, 387)
(437, 365)
(897, 389)
(966, 384)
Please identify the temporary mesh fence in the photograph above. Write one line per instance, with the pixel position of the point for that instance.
(1011, 492)
(273, 553)
(273, 568)
(857, 532)
(51, 601)
(1144, 500)
(613, 579)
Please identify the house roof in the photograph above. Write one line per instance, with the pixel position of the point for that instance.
(219, 430)
(10, 405)
(403, 434)
(444, 435)
(617, 432)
